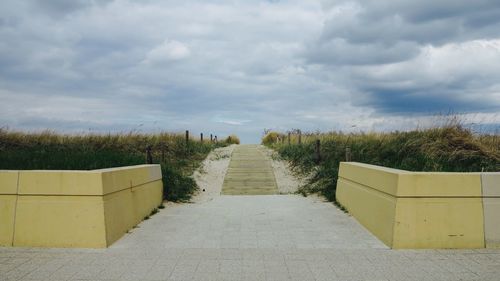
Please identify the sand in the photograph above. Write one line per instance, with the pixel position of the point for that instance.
(210, 175)
(287, 182)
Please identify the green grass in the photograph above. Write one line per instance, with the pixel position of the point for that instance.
(49, 150)
(446, 149)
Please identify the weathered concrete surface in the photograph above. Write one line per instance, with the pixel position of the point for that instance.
(491, 205)
(281, 237)
(271, 237)
(250, 173)
(416, 210)
(75, 209)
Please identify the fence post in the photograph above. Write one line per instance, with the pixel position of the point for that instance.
(215, 139)
(201, 137)
(211, 138)
(300, 137)
(187, 137)
(348, 154)
(289, 137)
(149, 156)
(318, 151)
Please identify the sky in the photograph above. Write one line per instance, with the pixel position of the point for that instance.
(242, 66)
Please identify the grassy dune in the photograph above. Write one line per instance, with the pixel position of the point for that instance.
(450, 148)
(49, 150)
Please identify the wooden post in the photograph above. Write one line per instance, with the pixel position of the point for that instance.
(187, 137)
(211, 138)
(300, 137)
(318, 151)
(215, 139)
(348, 154)
(289, 137)
(149, 156)
(201, 137)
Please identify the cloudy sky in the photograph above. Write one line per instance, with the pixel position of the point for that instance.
(239, 66)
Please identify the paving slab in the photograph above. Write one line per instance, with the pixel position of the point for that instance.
(273, 237)
(258, 237)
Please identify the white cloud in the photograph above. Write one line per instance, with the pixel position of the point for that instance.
(282, 64)
(168, 51)
(463, 74)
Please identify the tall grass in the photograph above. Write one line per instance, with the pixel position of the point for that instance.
(49, 150)
(450, 148)
(232, 139)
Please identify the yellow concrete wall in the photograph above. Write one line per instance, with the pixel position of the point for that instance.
(438, 223)
(372, 208)
(379, 178)
(7, 213)
(60, 221)
(8, 200)
(126, 208)
(8, 181)
(127, 177)
(145, 198)
(90, 209)
(491, 207)
(430, 184)
(42, 182)
(118, 214)
(417, 209)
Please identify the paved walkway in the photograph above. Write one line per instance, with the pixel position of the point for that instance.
(263, 237)
(250, 173)
(280, 237)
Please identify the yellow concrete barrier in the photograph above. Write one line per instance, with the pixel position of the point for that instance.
(8, 201)
(90, 209)
(491, 204)
(422, 209)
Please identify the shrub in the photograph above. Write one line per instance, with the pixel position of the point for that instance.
(232, 139)
(272, 137)
(445, 149)
(49, 150)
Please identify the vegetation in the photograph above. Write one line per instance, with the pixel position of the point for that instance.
(49, 150)
(272, 138)
(451, 148)
(232, 139)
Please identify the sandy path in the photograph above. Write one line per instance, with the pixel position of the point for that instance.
(210, 175)
(287, 182)
(250, 173)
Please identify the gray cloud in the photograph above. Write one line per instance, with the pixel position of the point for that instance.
(241, 66)
(401, 57)
(58, 8)
(369, 31)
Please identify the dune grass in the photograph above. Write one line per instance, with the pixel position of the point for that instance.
(450, 148)
(49, 150)
(232, 139)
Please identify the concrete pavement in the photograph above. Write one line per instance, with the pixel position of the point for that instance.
(281, 237)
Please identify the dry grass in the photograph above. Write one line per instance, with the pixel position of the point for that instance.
(50, 150)
(232, 139)
(449, 148)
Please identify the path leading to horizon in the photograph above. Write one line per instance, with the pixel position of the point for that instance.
(242, 237)
(250, 173)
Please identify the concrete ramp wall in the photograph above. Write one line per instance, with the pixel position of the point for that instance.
(80, 209)
(423, 209)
